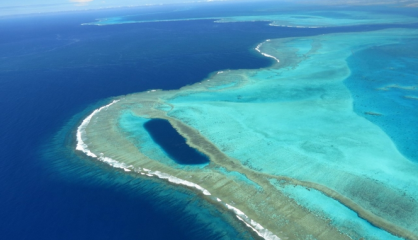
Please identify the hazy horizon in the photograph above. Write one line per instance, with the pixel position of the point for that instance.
(9, 7)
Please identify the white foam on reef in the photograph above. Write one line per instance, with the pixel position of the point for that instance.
(82, 146)
(114, 163)
(260, 230)
(179, 181)
(81, 130)
(265, 54)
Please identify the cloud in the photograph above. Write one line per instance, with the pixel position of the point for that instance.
(81, 1)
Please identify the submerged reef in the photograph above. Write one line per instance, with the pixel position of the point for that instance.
(309, 19)
(288, 155)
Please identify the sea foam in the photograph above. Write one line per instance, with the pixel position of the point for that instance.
(82, 146)
(265, 54)
(81, 130)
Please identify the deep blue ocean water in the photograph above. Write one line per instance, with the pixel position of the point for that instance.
(173, 143)
(53, 72)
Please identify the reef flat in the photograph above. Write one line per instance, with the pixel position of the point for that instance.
(300, 19)
(288, 155)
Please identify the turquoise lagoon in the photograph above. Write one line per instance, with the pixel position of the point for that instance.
(133, 126)
(297, 120)
(302, 19)
(329, 126)
(388, 73)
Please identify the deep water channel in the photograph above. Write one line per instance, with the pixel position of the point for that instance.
(173, 143)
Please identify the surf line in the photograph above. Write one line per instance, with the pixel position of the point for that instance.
(83, 147)
(265, 54)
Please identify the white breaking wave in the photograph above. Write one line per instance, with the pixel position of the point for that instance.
(265, 54)
(81, 146)
(176, 180)
(256, 227)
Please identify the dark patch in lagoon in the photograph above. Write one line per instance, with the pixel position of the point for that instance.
(173, 143)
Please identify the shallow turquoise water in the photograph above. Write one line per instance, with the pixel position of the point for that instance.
(61, 196)
(338, 214)
(171, 209)
(239, 177)
(133, 126)
(300, 18)
(298, 121)
(384, 80)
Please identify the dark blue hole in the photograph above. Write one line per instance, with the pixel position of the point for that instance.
(173, 143)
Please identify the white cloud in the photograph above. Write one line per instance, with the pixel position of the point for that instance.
(81, 1)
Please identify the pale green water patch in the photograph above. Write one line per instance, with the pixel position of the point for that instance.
(223, 86)
(340, 216)
(239, 176)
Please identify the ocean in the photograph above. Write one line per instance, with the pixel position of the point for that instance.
(54, 72)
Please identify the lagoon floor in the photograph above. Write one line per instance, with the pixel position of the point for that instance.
(286, 146)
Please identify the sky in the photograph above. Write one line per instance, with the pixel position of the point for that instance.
(13, 7)
(16, 7)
